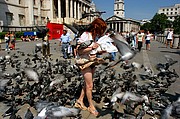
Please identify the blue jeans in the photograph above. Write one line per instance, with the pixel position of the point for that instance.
(134, 42)
(113, 56)
(7, 45)
(65, 50)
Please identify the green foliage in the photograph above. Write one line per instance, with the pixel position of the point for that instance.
(158, 23)
(176, 25)
(146, 26)
(2, 34)
(19, 34)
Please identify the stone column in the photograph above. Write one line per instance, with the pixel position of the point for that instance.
(78, 10)
(67, 8)
(51, 9)
(75, 10)
(31, 12)
(39, 12)
(71, 8)
(124, 26)
(59, 8)
(84, 8)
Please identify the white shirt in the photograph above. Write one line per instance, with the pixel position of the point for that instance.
(170, 35)
(140, 36)
(148, 37)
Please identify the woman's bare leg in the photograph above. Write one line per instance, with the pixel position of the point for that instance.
(89, 84)
(81, 97)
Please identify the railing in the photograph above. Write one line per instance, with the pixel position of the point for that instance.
(162, 39)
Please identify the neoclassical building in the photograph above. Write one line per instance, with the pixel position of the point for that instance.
(170, 11)
(118, 21)
(28, 13)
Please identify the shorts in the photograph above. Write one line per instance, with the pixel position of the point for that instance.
(169, 39)
(147, 41)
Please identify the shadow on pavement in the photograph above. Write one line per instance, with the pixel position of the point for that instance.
(178, 52)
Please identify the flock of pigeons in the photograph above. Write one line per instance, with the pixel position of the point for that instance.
(52, 86)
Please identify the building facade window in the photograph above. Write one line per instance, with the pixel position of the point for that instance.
(171, 13)
(41, 2)
(43, 20)
(167, 9)
(163, 9)
(9, 18)
(20, 2)
(21, 20)
(175, 13)
(34, 2)
(35, 20)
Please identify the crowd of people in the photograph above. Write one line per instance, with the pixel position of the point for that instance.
(138, 39)
(29, 38)
(10, 40)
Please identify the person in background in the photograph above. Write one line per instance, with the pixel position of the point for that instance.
(12, 41)
(133, 38)
(22, 38)
(140, 40)
(36, 38)
(27, 38)
(65, 42)
(148, 39)
(7, 40)
(87, 54)
(46, 44)
(128, 37)
(112, 54)
(170, 38)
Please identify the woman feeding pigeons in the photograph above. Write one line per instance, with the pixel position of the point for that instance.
(87, 61)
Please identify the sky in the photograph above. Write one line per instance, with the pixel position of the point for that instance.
(135, 9)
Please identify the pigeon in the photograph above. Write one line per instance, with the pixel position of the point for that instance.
(53, 111)
(31, 74)
(172, 109)
(124, 49)
(169, 60)
(124, 96)
(28, 114)
(11, 110)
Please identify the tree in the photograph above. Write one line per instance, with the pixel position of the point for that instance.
(159, 22)
(146, 26)
(176, 25)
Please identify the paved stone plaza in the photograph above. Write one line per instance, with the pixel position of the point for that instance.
(148, 58)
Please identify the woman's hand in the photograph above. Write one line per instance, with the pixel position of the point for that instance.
(95, 45)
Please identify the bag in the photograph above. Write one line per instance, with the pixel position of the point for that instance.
(84, 63)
